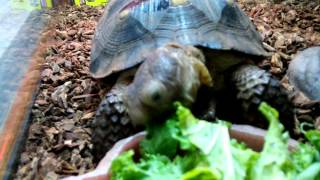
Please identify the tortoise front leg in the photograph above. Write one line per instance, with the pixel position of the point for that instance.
(252, 85)
(111, 122)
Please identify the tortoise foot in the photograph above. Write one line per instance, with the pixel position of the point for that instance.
(253, 85)
(110, 124)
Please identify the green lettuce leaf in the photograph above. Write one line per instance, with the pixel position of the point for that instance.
(313, 137)
(244, 158)
(228, 160)
(303, 156)
(201, 173)
(187, 148)
(310, 173)
(161, 139)
(152, 167)
(273, 162)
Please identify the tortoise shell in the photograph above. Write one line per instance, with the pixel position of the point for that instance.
(129, 29)
(304, 72)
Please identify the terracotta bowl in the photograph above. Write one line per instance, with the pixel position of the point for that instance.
(253, 137)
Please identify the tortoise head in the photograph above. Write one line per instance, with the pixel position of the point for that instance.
(170, 73)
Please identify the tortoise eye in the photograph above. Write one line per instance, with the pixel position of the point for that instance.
(153, 93)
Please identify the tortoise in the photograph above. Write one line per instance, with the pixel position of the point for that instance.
(304, 72)
(166, 50)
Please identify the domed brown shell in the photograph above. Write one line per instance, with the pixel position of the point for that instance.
(129, 29)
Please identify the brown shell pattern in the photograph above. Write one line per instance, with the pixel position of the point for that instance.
(130, 29)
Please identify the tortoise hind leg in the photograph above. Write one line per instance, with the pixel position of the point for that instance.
(110, 124)
(252, 85)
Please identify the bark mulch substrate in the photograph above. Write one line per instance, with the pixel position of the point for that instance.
(59, 137)
(59, 144)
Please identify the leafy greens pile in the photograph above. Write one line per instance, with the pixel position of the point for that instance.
(187, 148)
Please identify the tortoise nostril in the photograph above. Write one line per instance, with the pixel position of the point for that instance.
(156, 96)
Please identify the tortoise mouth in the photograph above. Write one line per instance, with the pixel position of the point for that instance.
(137, 117)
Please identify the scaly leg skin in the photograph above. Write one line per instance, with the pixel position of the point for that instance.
(253, 85)
(111, 123)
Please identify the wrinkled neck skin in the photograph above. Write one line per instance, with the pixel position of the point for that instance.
(171, 73)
